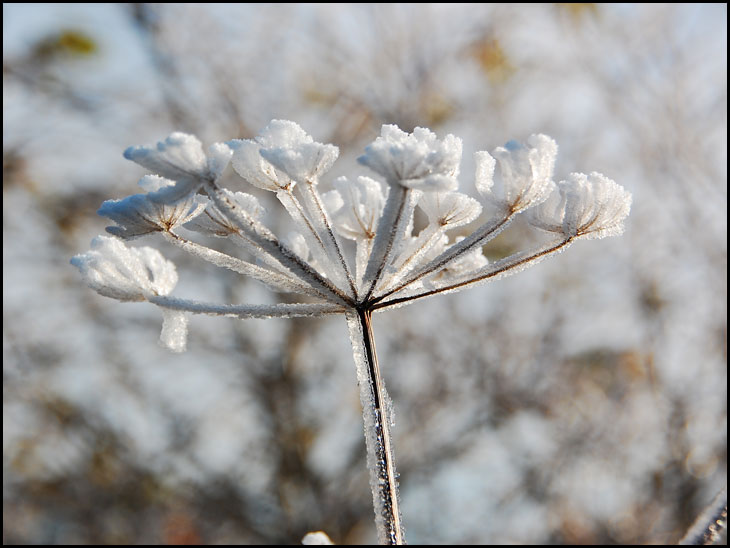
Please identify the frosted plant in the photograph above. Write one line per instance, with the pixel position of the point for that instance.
(388, 266)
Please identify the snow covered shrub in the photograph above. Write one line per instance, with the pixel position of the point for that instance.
(385, 265)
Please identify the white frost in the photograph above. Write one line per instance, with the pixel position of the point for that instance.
(141, 214)
(417, 160)
(524, 178)
(174, 333)
(585, 206)
(125, 273)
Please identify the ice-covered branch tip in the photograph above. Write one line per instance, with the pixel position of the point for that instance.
(417, 160)
(124, 273)
(181, 159)
(389, 261)
(525, 173)
(585, 206)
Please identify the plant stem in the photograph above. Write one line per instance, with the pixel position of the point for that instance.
(377, 419)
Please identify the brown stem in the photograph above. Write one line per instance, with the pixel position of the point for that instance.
(377, 419)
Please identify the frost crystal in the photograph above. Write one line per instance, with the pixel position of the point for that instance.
(362, 204)
(525, 173)
(180, 158)
(450, 209)
(389, 265)
(215, 223)
(141, 214)
(585, 206)
(125, 273)
(415, 160)
(288, 147)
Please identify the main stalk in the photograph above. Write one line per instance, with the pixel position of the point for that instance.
(377, 411)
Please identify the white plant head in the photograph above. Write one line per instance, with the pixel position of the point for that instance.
(417, 160)
(180, 158)
(142, 214)
(213, 222)
(125, 273)
(362, 202)
(524, 177)
(388, 262)
(290, 149)
(385, 265)
(449, 209)
(280, 156)
(585, 206)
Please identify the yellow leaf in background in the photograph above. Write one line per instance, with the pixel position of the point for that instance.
(578, 10)
(76, 42)
(67, 42)
(493, 60)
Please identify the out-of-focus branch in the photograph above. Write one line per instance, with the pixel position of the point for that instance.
(709, 526)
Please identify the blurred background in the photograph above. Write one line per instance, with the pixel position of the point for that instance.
(583, 401)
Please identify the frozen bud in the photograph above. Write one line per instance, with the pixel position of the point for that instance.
(290, 149)
(214, 223)
(415, 160)
(249, 164)
(449, 209)
(524, 178)
(180, 158)
(128, 274)
(584, 206)
(141, 214)
(363, 202)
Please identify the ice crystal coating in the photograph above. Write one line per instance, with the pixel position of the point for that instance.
(174, 333)
(153, 183)
(525, 173)
(388, 265)
(296, 242)
(180, 158)
(362, 205)
(249, 164)
(469, 262)
(124, 273)
(280, 156)
(585, 206)
(450, 209)
(213, 222)
(417, 160)
(141, 214)
(290, 149)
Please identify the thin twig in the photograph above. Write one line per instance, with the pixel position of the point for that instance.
(708, 527)
(497, 269)
(270, 243)
(481, 236)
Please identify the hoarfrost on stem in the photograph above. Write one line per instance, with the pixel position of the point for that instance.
(390, 266)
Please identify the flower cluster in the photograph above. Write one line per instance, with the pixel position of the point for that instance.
(386, 264)
(355, 250)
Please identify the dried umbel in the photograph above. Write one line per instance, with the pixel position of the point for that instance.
(388, 266)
